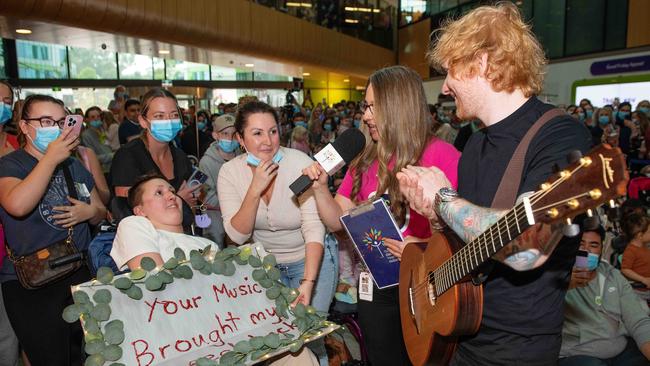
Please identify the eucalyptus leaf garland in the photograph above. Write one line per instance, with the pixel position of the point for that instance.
(105, 346)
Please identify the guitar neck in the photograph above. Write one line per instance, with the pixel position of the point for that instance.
(482, 248)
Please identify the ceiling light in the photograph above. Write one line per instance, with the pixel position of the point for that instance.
(293, 4)
(346, 80)
(306, 74)
(163, 52)
(306, 5)
(352, 21)
(249, 65)
(23, 31)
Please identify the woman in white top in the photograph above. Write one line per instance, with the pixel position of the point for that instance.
(156, 229)
(256, 202)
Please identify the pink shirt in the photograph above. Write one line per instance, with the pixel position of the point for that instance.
(438, 153)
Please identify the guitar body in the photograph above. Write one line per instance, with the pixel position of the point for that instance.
(431, 325)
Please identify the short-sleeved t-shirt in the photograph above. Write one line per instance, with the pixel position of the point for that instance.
(128, 129)
(133, 160)
(522, 311)
(37, 229)
(438, 153)
(136, 235)
(637, 259)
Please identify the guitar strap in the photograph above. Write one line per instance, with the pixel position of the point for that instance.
(506, 195)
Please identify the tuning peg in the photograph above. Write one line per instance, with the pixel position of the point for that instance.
(570, 229)
(574, 156)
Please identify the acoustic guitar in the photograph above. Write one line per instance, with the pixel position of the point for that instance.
(439, 301)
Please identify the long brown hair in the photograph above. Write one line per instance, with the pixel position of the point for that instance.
(404, 125)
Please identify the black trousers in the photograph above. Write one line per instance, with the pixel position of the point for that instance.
(36, 318)
(379, 321)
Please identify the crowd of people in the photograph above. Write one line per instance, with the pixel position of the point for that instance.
(135, 164)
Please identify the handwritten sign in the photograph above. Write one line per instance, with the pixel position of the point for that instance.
(201, 317)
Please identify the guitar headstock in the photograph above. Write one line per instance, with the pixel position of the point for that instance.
(594, 179)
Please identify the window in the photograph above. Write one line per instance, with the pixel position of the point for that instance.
(262, 76)
(138, 67)
(584, 26)
(184, 70)
(3, 73)
(92, 64)
(158, 68)
(219, 73)
(41, 60)
(548, 25)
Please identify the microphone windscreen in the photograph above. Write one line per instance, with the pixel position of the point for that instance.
(350, 144)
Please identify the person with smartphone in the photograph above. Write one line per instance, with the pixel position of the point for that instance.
(37, 210)
(605, 322)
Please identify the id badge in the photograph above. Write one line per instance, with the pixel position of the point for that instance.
(365, 286)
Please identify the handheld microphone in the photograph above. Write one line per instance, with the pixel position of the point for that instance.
(333, 157)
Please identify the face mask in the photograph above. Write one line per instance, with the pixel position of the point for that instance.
(623, 115)
(301, 124)
(327, 127)
(581, 116)
(164, 130)
(296, 109)
(200, 125)
(255, 161)
(5, 113)
(603, 120)
(357, 123)
(44, 136)
(228, 146)
(592, 261)
(220, 111)
(589, 113)
(645, 110)
(121, 94)
(336, 119)
(96, 123)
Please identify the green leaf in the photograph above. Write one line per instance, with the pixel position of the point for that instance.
(134, 292)
(269, 261)
(117, 364)
(101, 312)
(273, 292)
(104, 275)
(123, 283)
(91, 325)
(94, 347)
(293, 294)
(147, 264)
(205, 362)
(102, 296)
(95, 360)
(229, 270)
(186, 272)
(207, 270)
(311, 310)
(274, 274)
(296, 345)
(300, 310)
(80, 297)
(137, 274)
(165, 277)
(171, 263)
(177, 272)
(259, 274)
(87, 308)
(197, 262)
(114, 324)
(89, 337)
(254, 261)
(153, 283)
(71, 313)
(228, 358)
(206, 250)
(243, 347)
(257, 342)
(231, 251)
(272, 340)
(266, 282)
(112, 352)
(281, 309)
(241, 261)
(301, 323)
(218, 266)
(179, 254)
(259, 353)
(114, 336)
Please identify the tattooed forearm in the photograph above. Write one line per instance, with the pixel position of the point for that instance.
(468, 220)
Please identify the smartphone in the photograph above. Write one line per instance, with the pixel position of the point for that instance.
(197, 178)
(581, 259)
(74, 122)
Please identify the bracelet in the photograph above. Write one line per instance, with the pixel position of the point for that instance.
(306, 280)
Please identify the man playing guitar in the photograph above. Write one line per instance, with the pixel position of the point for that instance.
(495, 69)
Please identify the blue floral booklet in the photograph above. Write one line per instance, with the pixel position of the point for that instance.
(367, 226)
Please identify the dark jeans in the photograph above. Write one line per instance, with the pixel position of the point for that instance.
(36, 318)
(631, 356)
(380, 325)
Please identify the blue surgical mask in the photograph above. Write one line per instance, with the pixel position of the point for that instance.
(301, 124)
(228, 145)
(255, 161)
(44, 136)
(5, 113)
(96, 123)
(336, 119)
(603, 120)
(164, 130)
(357, 123)
(645, 110)
(592, 261)
(296, 109)
(327, 127)
(589, 113)
(581, 116)
(623, 115)
(200, 125)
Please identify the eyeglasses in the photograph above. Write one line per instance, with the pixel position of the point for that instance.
(365, 105)
(48, 121)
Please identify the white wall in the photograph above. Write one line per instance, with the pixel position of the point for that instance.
(559, 78)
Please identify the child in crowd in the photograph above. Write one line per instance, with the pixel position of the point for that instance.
(636, 257)
(300, 140)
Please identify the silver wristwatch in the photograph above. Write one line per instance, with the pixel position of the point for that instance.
(445, 194)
